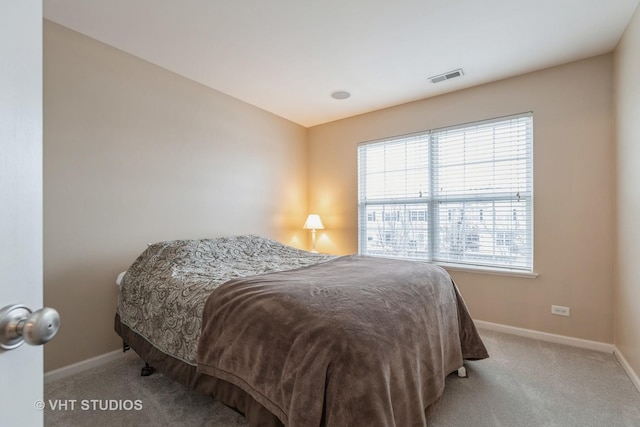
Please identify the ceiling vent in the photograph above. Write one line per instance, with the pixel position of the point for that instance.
(446, 76)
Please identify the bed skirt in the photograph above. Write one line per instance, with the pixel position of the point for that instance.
(186, 374)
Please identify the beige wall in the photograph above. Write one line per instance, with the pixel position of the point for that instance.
(136, 154)
(627, 112)
(574, 191)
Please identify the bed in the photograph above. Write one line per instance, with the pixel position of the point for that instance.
(289, 337)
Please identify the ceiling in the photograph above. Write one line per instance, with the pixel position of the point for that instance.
(289, 56)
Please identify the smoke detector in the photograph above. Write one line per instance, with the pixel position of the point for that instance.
(446, 76)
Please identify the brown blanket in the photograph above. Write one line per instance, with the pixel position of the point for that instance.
(353, 341)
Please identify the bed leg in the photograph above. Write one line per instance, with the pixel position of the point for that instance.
(462, 372)
(125, 347)
(147, 370)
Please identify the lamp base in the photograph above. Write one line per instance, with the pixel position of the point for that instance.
(313, 241)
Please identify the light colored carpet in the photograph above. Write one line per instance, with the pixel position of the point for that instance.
(525, 383)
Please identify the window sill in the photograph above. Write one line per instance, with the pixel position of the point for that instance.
(487, 270)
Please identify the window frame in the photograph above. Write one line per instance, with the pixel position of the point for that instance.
(433, 201)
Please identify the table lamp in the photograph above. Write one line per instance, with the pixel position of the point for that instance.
(313, 223)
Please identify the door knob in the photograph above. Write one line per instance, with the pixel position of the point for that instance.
(18, 325)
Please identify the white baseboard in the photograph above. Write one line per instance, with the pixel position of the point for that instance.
(627, 368)
(544, 336)
(82, 366)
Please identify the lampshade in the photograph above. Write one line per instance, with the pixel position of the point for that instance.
(313, 222)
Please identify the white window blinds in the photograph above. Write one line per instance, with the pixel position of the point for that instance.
(461, 195)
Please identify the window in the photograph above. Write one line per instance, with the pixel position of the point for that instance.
(458, 195)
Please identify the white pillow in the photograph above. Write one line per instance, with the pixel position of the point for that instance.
(120, 276)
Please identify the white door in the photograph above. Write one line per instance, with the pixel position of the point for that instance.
(21, 383)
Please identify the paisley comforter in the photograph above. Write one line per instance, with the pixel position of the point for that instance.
(163, 293)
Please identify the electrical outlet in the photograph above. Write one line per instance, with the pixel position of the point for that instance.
(560, 310)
